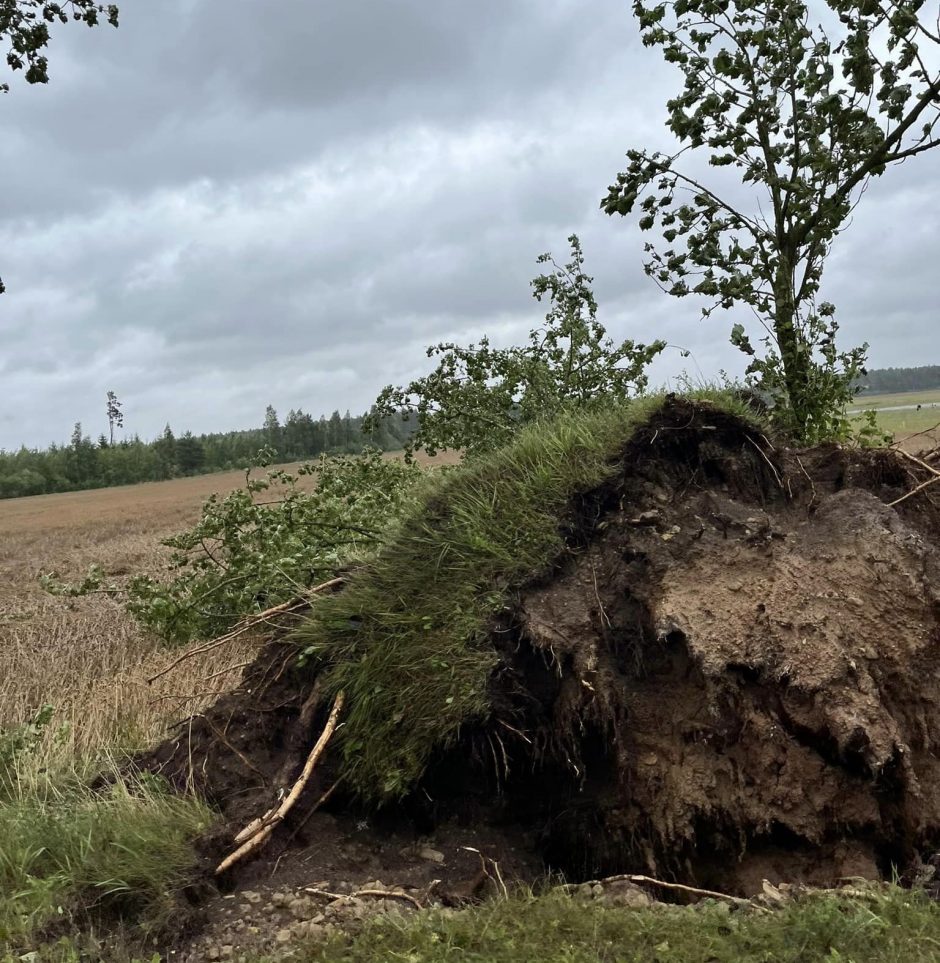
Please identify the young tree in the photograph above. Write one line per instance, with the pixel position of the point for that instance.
(115, 415)
(190, 454)
(165, 447)
(479, 395)
(807, 114)
(272, 429)
(24, 26)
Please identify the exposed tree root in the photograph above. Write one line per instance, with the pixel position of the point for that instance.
(257, 832)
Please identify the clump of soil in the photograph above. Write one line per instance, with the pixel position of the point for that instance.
(732, 674)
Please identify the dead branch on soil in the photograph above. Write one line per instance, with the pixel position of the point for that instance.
(248, 624)
(256, 833)
(662, 884)
(498, 880)
(922, 463)
(914, 491)
(373, 893)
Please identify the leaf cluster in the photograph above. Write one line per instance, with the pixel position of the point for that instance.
(25, 25)
(479, 396)
(805, 114)
(263, 544)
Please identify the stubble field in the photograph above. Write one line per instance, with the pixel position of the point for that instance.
(86, 656)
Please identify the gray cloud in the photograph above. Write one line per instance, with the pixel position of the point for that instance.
(221, 206)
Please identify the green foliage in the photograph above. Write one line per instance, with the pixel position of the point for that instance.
(479, 396)
(25, 25)
(891, 380)
(408, 638)
(807, 119)
(263, 544)
(65, 850)
(21, 742)
(831, 382)
(884, 925)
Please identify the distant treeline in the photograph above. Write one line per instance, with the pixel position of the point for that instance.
(84, 463)
(887, 380)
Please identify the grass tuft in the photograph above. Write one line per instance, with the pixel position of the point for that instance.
(68, 853)
(408, 639)
(885, 925)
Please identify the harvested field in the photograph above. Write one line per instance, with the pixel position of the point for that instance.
(727, 672)
(87, 656)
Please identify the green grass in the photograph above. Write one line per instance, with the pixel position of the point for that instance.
(904, 423)
(900, 424)
(68, 854)
(887, 925)
(408, 639)
(876, 401)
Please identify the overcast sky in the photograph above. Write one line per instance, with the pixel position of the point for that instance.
(224, 205)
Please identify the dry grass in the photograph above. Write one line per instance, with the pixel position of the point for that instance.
(86, 656)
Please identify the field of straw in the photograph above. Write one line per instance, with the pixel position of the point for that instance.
(86, 656)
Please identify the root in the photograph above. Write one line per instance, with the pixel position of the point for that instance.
(661, 884)
(248, 624)
(374, 893)
(257, 832)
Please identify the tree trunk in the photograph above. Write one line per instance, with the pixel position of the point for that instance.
(793, 352)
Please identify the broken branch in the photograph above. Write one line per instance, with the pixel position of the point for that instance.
(267, 822)
(247, 624)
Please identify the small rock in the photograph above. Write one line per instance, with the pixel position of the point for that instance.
(597, 891)
(625, 893)
(281, 899)
(646, 518)
(228, 951)
(213, 953)
(300, 908)
(283, 936)
(250, 896)
(431, 855)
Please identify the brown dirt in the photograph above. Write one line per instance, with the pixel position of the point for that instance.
(732, 676)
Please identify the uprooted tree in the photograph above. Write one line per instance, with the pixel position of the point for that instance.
(808, 114)
(478, 395)
(24, 25)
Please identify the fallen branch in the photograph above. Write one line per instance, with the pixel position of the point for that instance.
(662, 884)
(930, 481)
(374, 893)
(262, 828)
(248, 624)
(923, 464)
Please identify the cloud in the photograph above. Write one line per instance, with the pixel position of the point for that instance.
(220, 206)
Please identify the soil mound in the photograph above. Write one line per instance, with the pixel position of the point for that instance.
(730, 673)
